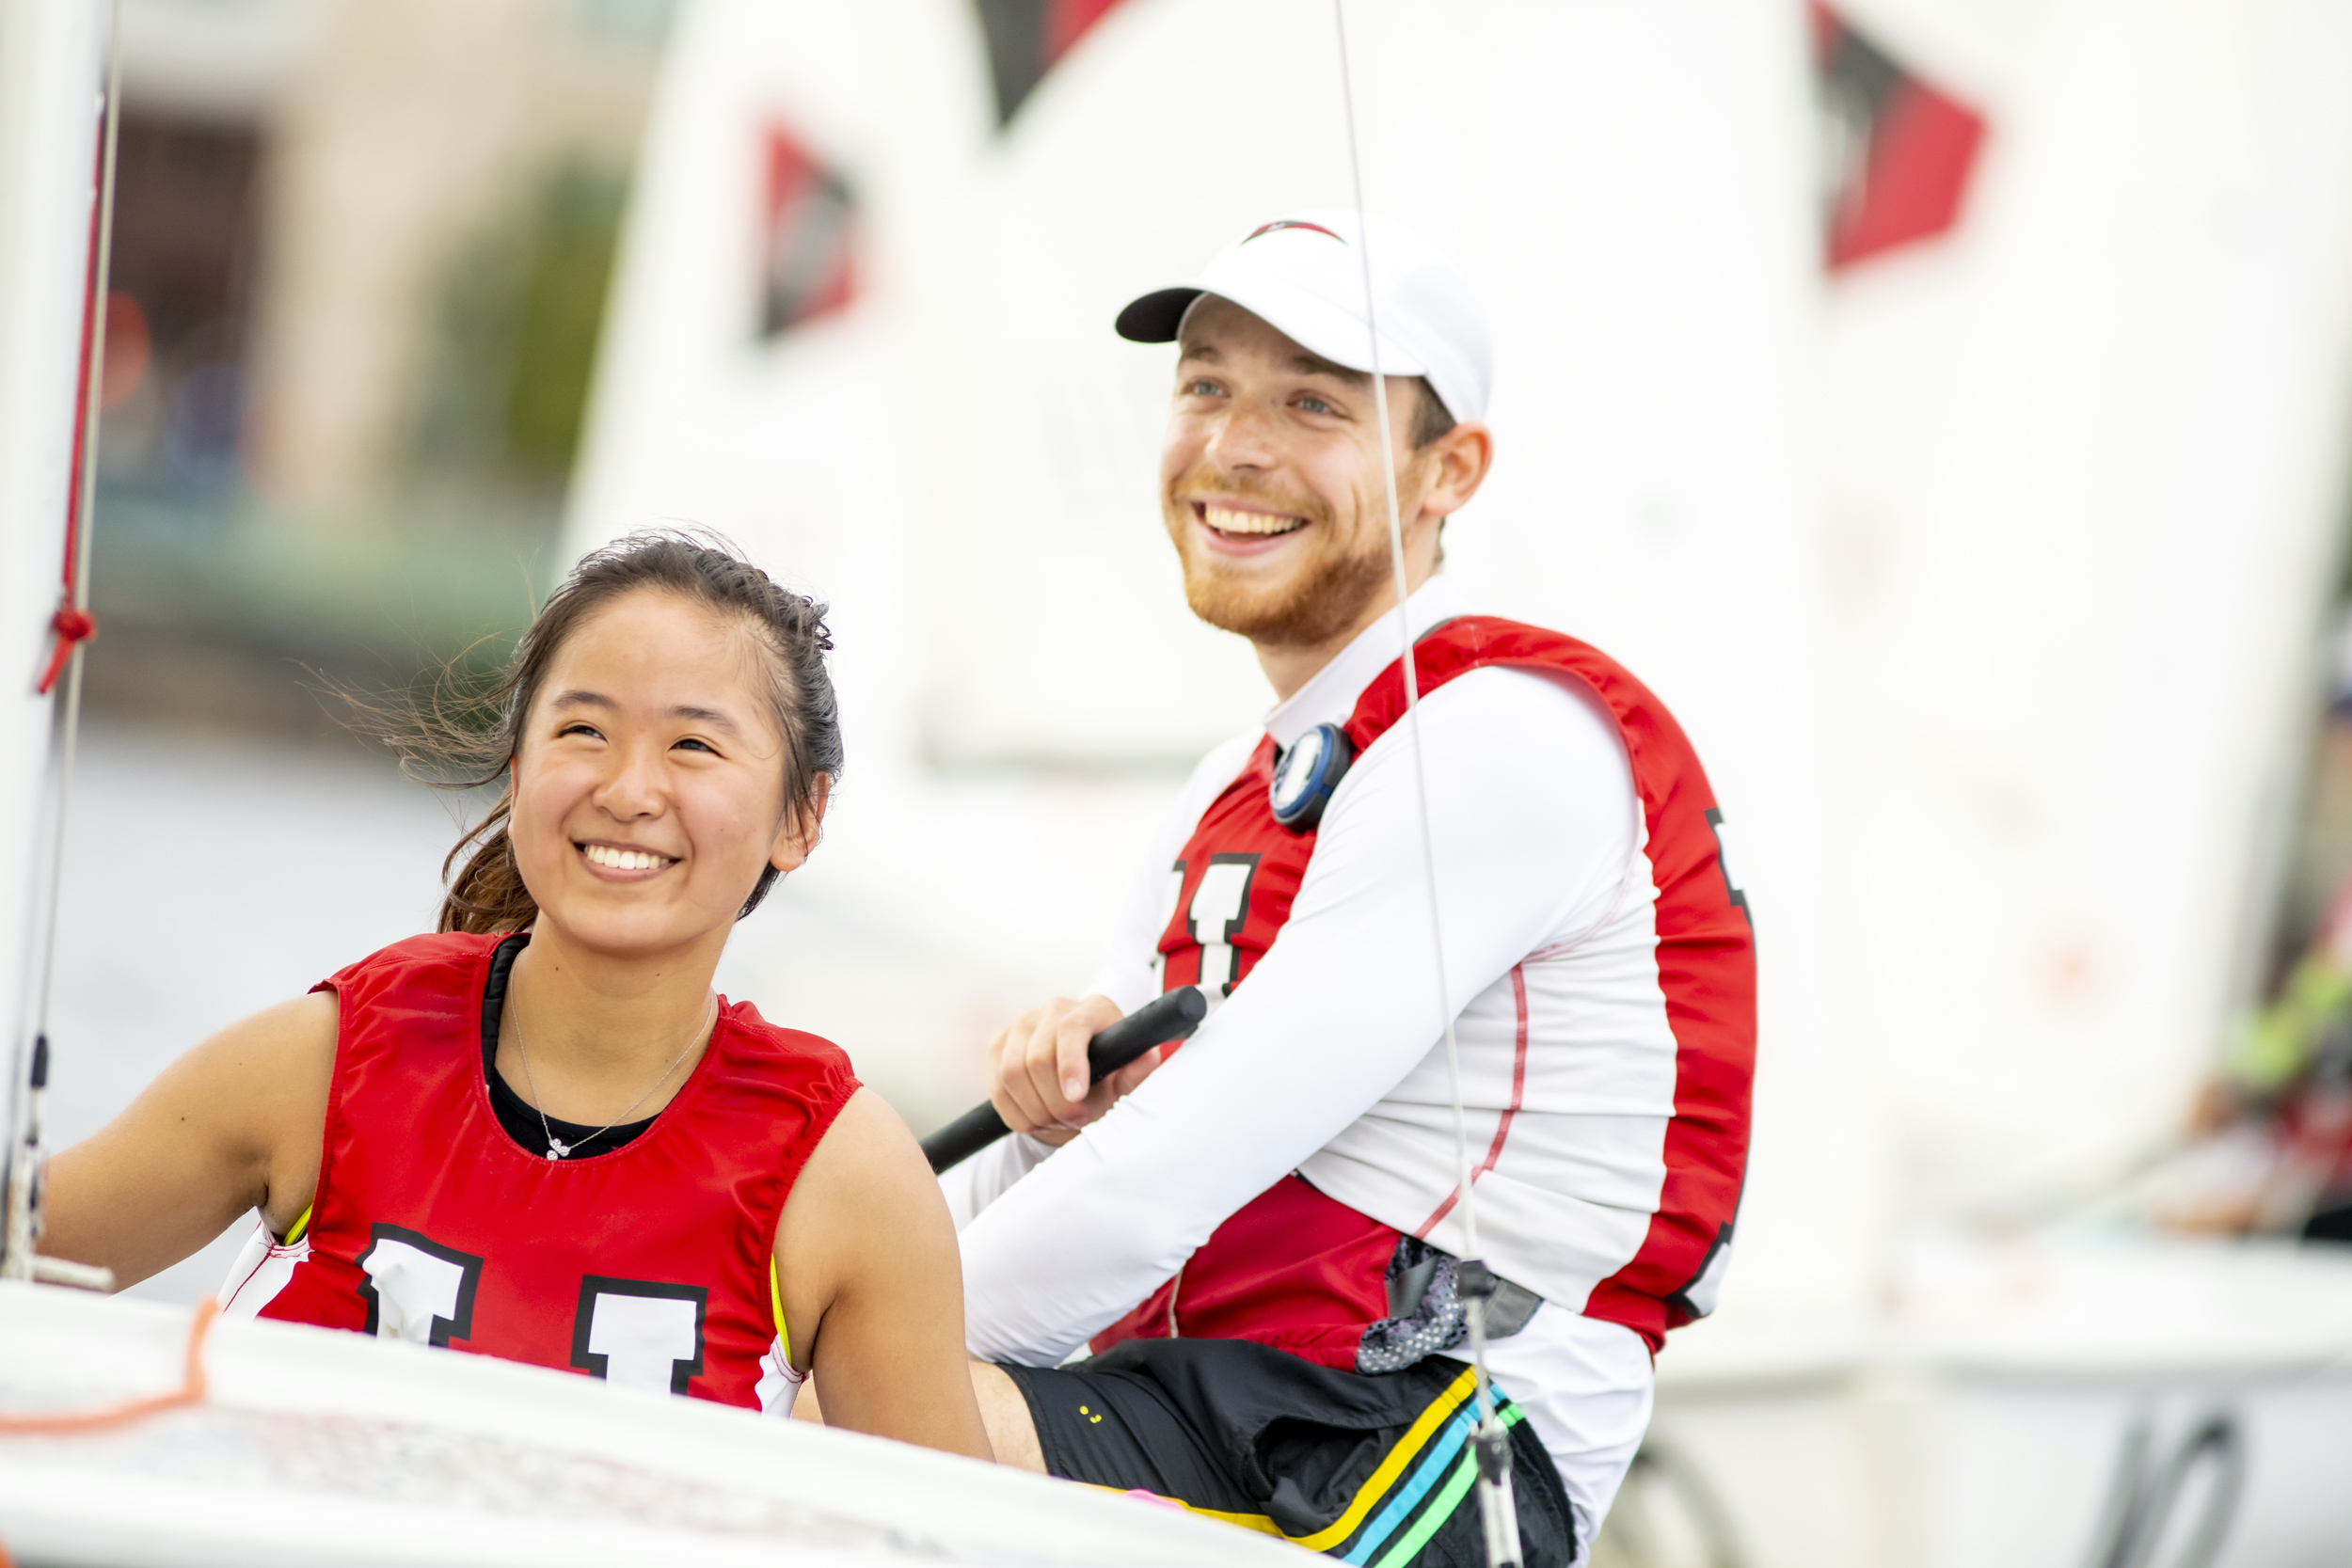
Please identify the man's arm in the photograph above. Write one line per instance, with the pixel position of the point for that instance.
(1127, 978)
(974, 1184)
(1534, 821)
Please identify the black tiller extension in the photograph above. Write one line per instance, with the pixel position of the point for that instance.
(1162, 1021)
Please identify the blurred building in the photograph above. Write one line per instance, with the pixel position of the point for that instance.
(360, 257)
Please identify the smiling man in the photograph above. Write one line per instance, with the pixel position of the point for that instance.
(1258, 1239)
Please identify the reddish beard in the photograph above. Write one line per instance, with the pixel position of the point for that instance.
(1313, 602)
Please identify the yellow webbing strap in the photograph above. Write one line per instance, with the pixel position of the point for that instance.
(775, 1299)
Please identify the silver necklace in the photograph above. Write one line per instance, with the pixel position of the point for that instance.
(557, 1147)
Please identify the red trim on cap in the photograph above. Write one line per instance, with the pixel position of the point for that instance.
(1289, 223)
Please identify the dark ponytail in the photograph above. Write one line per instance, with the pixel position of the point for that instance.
(448, 744)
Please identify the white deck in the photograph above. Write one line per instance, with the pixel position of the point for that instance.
(320, 1446)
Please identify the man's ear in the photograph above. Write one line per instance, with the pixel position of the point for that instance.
(1457, 464)
(797, 833)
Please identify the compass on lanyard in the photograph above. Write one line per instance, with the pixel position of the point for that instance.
(1305, 776)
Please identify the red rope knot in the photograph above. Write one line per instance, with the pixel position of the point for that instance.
(73, 626)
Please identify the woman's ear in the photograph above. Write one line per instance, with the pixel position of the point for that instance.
(796, 835)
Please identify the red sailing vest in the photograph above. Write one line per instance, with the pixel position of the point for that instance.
(648, 1265)
(1298, 1270)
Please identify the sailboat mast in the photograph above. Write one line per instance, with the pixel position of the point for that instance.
(53, 103)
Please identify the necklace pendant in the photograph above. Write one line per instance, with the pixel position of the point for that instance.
(557, 1149)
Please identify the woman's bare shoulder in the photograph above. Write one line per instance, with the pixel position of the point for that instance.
(260, 1086)
(260, 1049)
(278, 1067)
(864, 1190)
(866, 1146)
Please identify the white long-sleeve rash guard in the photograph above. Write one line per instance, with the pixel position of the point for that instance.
(1535, 825)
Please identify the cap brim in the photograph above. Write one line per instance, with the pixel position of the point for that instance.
(1156, 317)
(1313, 323)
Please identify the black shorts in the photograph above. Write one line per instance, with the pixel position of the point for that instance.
(1369, 1468)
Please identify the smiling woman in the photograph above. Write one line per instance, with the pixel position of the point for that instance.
(770, 642)
(537, 1133)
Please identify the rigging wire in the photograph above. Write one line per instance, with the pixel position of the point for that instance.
(73, 626)
(1474, 1281)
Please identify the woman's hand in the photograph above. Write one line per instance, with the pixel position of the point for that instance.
(231, 1126)
(873, 1286)
(1038, 1071)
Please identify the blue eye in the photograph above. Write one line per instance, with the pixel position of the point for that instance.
(1317, 405)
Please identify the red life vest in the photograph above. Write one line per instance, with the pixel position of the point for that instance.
(1298, 1269)
(648, 1265)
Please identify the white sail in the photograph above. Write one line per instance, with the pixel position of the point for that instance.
(2086, 490)
(963, 457)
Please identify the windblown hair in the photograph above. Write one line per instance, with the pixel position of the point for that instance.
(469, 741)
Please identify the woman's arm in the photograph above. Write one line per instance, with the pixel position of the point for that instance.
(873, 1292)
(233, 1124)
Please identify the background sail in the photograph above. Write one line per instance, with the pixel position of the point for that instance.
(2084, 501)
(963, 457)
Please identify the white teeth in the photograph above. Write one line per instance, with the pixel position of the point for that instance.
(623, 860)
(1226, 520)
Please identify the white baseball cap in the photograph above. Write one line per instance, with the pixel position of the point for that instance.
(1304, 275)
